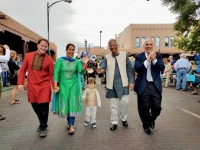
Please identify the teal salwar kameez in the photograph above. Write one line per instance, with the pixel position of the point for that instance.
(67, 102)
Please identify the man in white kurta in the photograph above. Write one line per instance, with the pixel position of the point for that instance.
(119, 77)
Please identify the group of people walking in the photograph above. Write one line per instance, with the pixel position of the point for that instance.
(65, 78)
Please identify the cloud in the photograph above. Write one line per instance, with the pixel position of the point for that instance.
(84, 19)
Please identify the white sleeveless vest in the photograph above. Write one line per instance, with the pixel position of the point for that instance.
(121, 59)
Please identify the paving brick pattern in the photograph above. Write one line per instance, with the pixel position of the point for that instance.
(174, 130)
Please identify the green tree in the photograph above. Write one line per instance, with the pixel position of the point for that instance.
(187, 24)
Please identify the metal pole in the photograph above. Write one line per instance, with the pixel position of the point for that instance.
(48, 28)
(100, 43)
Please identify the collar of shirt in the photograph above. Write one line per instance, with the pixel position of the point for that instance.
(146, 54)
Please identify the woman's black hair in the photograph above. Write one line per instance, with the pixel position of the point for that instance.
(68, 45)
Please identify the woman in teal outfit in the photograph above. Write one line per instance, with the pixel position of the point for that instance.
(67, 86)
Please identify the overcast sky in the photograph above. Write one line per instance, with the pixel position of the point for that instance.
(84, 19)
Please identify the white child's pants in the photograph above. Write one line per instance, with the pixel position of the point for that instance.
(91, 112)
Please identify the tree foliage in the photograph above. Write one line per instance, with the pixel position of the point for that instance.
(187, 24)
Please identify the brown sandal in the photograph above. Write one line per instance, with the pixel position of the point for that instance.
(194, 93)
(13, 103)
(71, 130)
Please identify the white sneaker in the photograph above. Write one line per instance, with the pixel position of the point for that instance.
(94, 125)
(86, 123)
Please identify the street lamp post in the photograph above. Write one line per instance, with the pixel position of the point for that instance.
(100, 42)
(48, 8)
(86, 46)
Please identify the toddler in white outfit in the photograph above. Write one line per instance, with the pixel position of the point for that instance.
(92, 98)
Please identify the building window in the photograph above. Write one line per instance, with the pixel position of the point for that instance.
(152, 38)
(172, 41)
(137, 42)
(143, 40)
(122, 45)
(166, 41)
(157, 41)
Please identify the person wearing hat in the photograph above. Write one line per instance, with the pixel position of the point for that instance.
(182, 66)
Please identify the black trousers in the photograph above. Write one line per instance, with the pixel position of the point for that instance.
(42, 111)
(149, 104)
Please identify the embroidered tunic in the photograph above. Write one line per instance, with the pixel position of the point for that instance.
(40, 75)
(68, 99)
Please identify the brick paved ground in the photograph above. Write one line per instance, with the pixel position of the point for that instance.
(175, 129)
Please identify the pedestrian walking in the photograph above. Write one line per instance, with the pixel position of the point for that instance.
(13, 76)
(119, 77)
(182, 67)
(67, 86)
(148, 86)
(92, 98)
(40, 79)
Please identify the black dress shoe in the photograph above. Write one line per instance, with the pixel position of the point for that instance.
(152, 125)
(113, 127)
(147, 130)
(125, 124)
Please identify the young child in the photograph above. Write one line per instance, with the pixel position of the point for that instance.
(92, 98)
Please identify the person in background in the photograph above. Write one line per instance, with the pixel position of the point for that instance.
(167, 72)
(4, 57)
(4, 73)
(91, 69)
(101, 62)
(182, 66)
(132, 60)
(40, 79)
(19, 62)
(82, 76)
(193, 71)
(13, 76)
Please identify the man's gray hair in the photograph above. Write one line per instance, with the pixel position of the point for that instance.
(112, 40)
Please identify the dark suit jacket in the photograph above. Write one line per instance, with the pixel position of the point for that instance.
(141, 81)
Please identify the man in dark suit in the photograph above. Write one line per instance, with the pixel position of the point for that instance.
(148, 86)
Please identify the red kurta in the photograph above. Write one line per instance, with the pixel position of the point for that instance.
(40, 77)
